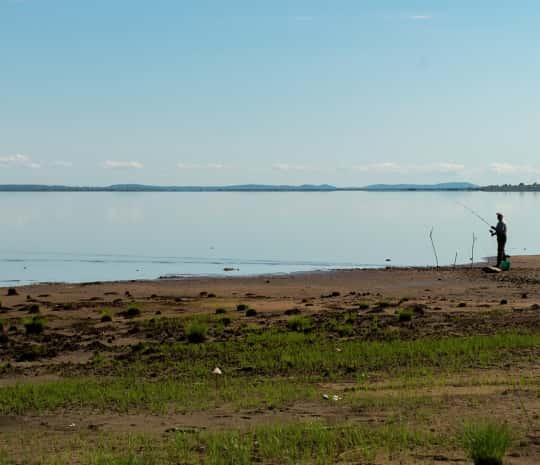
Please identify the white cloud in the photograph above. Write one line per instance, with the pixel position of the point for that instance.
(421, 17)
(113, 164)
(392, 167)
(288, 167)
(508, 168)
(61, 164)
(196, 166)
(18, 161)
(378, 167)
(449, 166)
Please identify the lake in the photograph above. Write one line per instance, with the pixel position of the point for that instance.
(78, 237)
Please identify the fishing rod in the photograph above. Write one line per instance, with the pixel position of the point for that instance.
(470, 210)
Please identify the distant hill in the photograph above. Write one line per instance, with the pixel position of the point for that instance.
(447, 186)
(145, 188)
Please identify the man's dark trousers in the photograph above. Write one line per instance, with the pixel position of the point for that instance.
(501, 255)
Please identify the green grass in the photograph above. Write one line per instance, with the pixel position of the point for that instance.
(280, 367)
(486, 442)
(196, 332)
(314, 443)
(300, 324)
(106, 315)
(130, 394)
(34, 325)
(405, 315)
(132, 312)
(313, 356)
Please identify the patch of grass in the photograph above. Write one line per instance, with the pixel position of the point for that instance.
(106, 315)
(405, 315)
(251, 312)
(220, 311)
(486, 442)
(312, 443)
(131, 394)
(300, 324)
(242, 307)
(196, 332)
(132, 312)
(34, 325)
(343, 329)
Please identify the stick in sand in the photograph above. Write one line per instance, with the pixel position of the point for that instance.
(434, 249)
(472, 249)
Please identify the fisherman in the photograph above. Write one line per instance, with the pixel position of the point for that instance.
(500, 232)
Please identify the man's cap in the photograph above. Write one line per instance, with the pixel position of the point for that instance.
(499, 214)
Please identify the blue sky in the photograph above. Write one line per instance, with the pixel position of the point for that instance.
(213, 92)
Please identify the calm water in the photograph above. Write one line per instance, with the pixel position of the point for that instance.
(79, 237)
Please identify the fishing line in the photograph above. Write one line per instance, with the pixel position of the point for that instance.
(470, 210)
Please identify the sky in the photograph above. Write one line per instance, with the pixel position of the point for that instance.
(200, 92)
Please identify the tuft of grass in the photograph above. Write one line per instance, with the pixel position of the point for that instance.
(132, 312)
(220, 311)
(225, 321)
(300, 324)
(405, 315)
(34, 325)
(242, 307)
(106, 315)
(196, 332)
(486, 442)
(251, 312)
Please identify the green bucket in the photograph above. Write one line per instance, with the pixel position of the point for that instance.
(505, 265)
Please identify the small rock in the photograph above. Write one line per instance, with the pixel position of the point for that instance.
(12, 291)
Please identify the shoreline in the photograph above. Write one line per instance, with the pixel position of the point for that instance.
(294, 274)
(390, 278)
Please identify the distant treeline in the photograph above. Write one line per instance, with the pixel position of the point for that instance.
(521, 187)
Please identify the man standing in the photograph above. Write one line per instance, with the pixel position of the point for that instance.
(500, 232)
